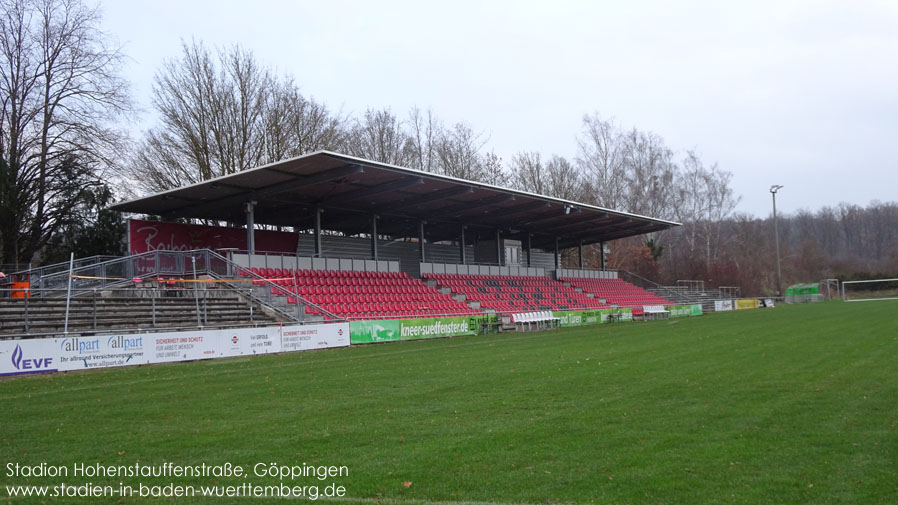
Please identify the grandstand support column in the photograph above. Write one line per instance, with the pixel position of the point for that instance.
(374, 236)
(499, 247)
(461, 245)
(250, 227)
(423, 257)
(557, 257)
(580, 254)
(529, 248)
(602, 254)
(318, 212)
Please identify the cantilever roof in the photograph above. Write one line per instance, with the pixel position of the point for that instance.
(350, 190)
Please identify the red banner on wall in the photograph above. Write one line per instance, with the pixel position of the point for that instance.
(145, 236)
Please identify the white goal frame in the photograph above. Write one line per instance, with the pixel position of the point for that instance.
(845, 296)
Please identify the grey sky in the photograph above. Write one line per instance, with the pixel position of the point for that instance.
(799, 93)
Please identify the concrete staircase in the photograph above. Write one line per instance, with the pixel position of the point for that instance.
(99, 313)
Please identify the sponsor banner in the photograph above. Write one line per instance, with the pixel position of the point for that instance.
(410, 329)
(584, 317)
(314, 336)
(768, 303)
(685, 310)
(28, 356)
(183, 346)
(146, 236)
(746, 303)
(366, 332)
(246, 341)
(80, 352)
(723, 305)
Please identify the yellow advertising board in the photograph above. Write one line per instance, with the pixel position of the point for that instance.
(746, 303)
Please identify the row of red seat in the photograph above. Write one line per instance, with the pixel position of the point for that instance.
(403, 310)
(360, 294)
(366, 298)
(323, 274)
(618, 292)
(420, 291)
(516, 293)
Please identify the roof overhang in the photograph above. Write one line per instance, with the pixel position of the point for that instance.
(351, 190)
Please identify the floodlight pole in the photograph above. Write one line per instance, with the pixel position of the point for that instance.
(776, 235)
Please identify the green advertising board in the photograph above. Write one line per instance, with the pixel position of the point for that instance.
(391, 330)
(583, 317)
(685, 310)
(366, 332)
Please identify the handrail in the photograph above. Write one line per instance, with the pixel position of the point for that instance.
(156, 295)
(123, 271)
(266, 283)
(643, 279)
(62, 266)
(659, 286)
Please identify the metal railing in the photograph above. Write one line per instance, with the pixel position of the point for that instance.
(692, 285)
(159, 296)
(122, 272)
(730, 291)
(37, 272)
(671, 291)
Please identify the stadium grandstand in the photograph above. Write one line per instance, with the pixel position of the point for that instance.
(330, 237)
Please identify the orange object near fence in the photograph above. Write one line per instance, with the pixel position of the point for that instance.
(21, 289)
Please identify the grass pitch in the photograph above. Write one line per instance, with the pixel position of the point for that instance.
(791, 405)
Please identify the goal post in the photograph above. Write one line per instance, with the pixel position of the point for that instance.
(870, 290)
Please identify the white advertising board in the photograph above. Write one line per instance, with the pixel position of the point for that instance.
(101, 351)
(80, 352)
(28, 356)
(318, 336)
(721, 305)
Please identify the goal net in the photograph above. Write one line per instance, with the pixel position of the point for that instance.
(865, 291)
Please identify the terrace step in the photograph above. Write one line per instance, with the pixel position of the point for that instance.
(47, 315)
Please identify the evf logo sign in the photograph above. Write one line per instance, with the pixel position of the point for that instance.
(27, 364)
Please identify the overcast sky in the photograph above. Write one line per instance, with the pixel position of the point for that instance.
(798, 93)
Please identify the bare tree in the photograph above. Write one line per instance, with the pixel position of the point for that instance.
(378, 135)
(60, 90)
(212, 115)
(528, 173)
(224, 113)
(705, 200)
(601, 159)
(296, 125)
(424, 132)
(650, 175)
(493, 170)
(458, 150)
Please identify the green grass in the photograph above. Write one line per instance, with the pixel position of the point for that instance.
(791, 405)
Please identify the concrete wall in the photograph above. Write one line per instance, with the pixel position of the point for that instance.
(452, 268)
(586, 273)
